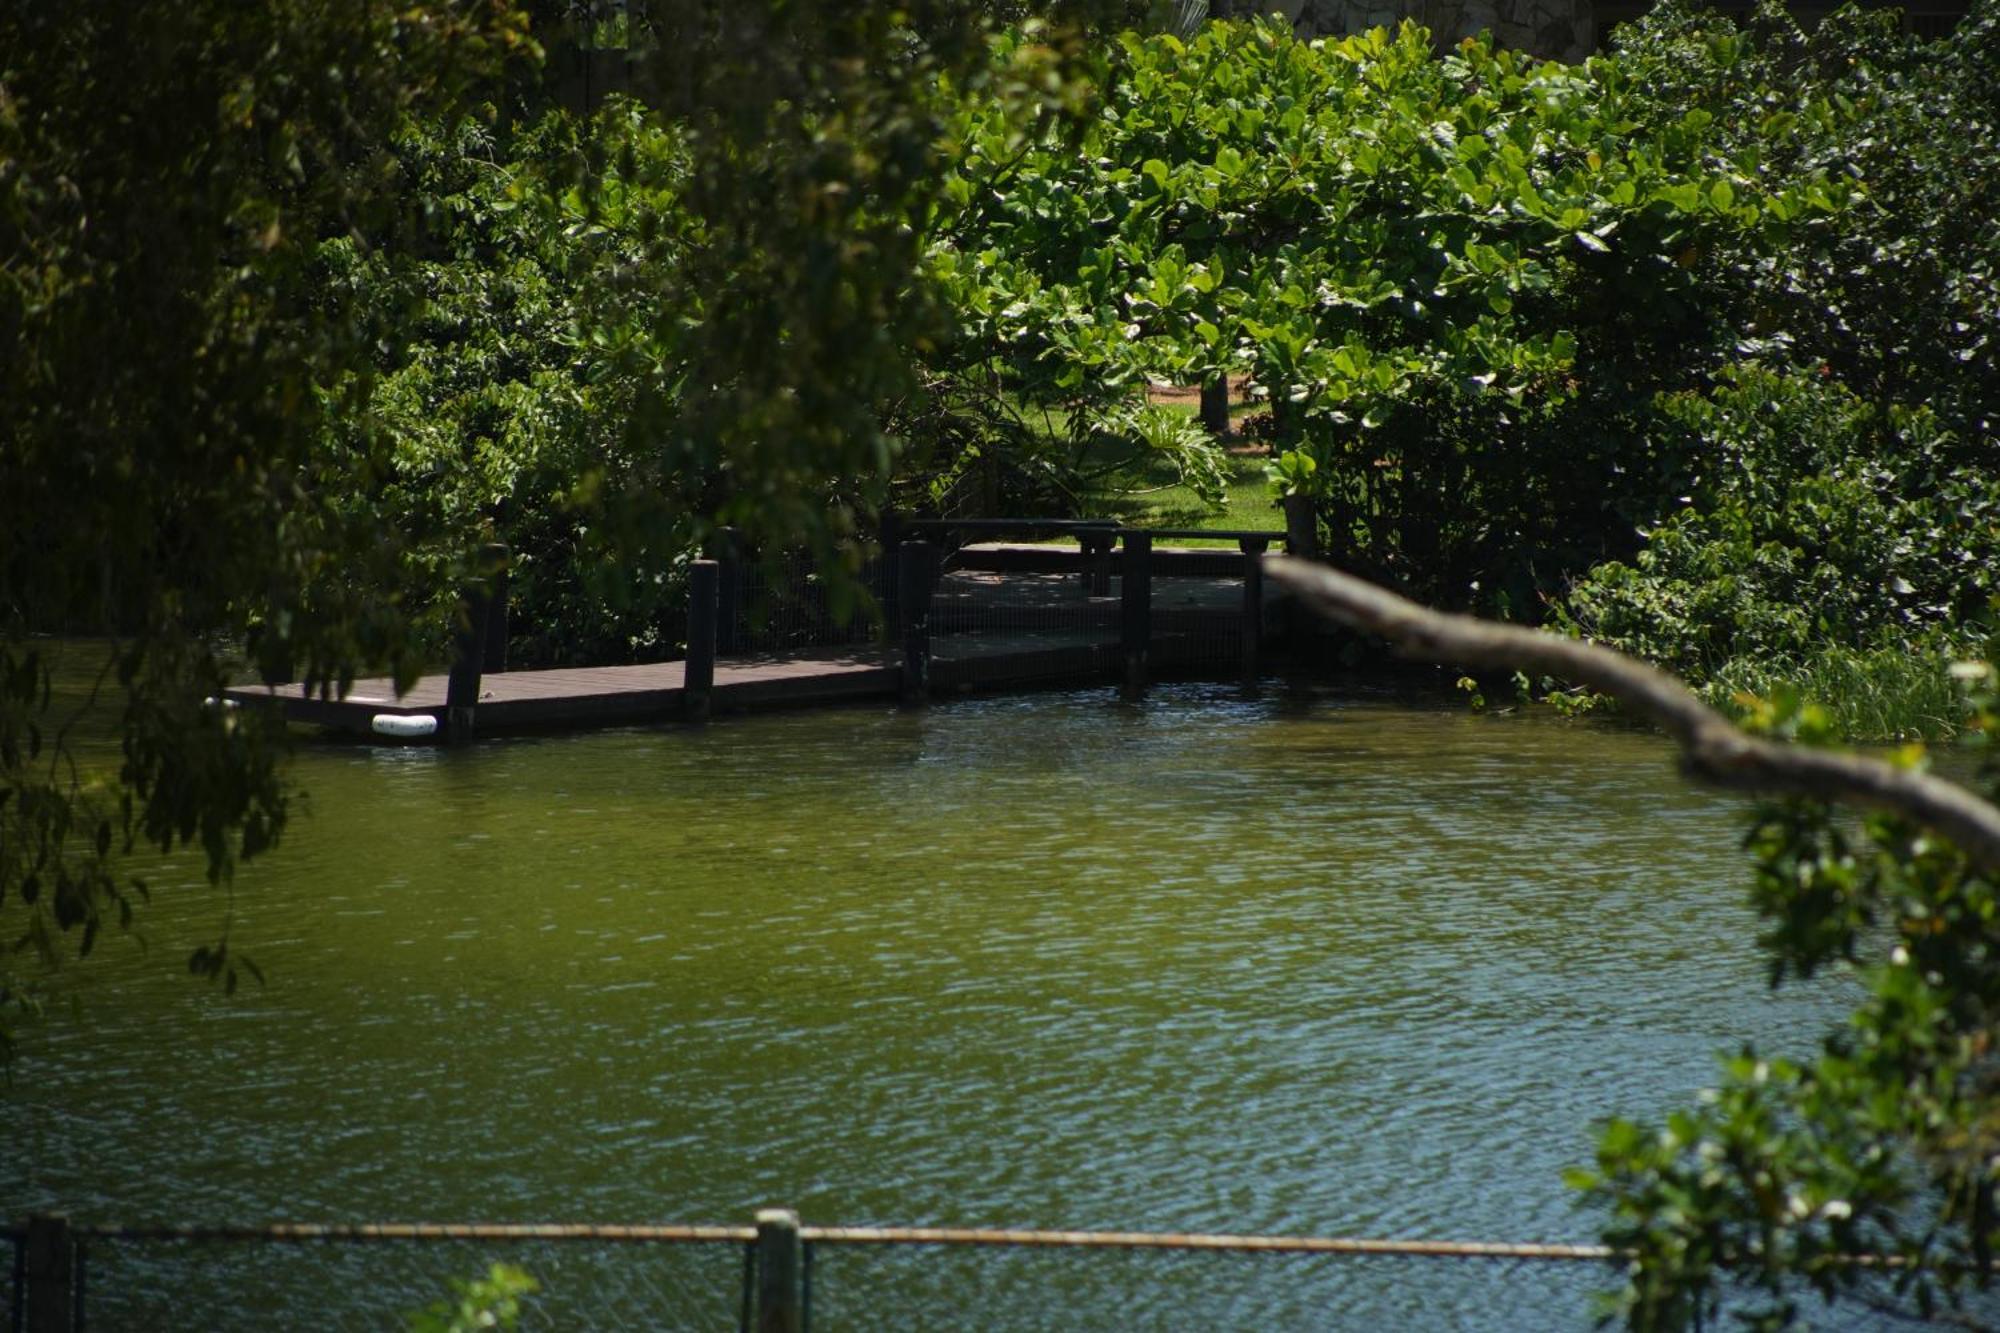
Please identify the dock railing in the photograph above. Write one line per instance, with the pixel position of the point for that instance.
(1172, 608)
(767, 1276)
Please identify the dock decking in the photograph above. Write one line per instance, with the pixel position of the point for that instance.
(598, 696)
(988, 628)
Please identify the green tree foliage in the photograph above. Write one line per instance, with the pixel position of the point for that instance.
(1796, 1179)
(1458, 280)
(1816, 518)
(1840, 499)
(166, 176)
(501, 388)
(287, 341)
(493, 1301)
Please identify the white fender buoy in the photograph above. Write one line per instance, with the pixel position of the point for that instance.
(404, 726)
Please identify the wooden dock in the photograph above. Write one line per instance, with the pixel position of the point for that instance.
(1017, 620)
(582, 697)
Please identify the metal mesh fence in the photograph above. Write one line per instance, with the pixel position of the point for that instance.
(16, 1255)
(867, 1287)
(849, 1279)
(1000, 612)
(1042, 626)
(215, 1286)
(786, 605)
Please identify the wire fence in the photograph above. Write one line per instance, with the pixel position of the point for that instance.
(786, 605)
(782, 1277)
(17, 1278)
(998, 610)
(691, 1277)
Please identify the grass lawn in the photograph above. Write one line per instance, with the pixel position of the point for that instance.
(1247, 504)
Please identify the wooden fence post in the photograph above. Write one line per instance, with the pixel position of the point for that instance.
(1136, 607)
(891, 536)
(461, 695)
(51, 1275)
(916, 574)
(497, 558)
(728, 548)
(1253, 607)
(698, 678)
(780, 1272)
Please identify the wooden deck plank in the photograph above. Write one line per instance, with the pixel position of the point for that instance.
(597, 696)
(1036, 630)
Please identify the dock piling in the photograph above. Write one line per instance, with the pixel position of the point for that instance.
(469, 640)
(780, 1272)
(727, 548)
(1253, 606)
(1136, 608)
(50, 1275)
(497, 558)
(704, 601)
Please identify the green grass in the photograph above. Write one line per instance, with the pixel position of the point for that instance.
(1883, 694)
(1246, 504)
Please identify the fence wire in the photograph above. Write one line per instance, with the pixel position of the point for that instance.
(995, 616)
(17, 1270)
(981, 616)
(592, 1277)
(856, 1288)
(219, 1286)
(785, 605)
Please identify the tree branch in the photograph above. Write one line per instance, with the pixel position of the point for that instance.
(1712, 749)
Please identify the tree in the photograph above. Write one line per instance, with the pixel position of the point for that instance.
(194, 462)
(1867, 1174)
(166, 175)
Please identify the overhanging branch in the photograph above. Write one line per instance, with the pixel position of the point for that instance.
(1712, 748)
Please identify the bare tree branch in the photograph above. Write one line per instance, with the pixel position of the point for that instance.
(1713, 750)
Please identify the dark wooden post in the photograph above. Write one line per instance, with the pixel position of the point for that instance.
(497, 558)
(916, 573)
(780, 1272)
(1215, 406)
(891, 536)
(698, 678)
(50, 1275)
(1253, 606)
(461, 696)
(1136, 606)
(729, 590)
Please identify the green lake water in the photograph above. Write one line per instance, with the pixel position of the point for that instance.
(1323, 961)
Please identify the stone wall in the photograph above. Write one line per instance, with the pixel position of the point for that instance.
(1558, 29)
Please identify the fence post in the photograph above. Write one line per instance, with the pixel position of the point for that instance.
(1136, 607)
(461, 695)
(916, 572)
(728, 548)
(1253, 606)
(698, 674)
(51, 1274)
(891, 536)
(780, 1277)
(497, 558)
